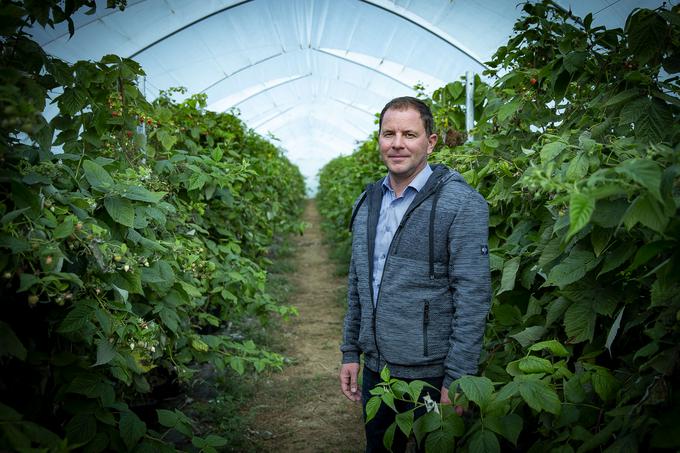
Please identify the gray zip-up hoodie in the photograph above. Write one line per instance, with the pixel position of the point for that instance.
(435, 292)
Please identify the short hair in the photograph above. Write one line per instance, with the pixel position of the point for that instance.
(406, 102)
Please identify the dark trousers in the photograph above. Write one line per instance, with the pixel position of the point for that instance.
(375, 429)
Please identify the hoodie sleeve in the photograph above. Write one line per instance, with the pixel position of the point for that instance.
(469, 276)
(350, 336)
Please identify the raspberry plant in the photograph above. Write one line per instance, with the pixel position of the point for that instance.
(135, 238)
(577, 151)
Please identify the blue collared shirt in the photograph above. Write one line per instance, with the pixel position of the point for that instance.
(392, 210)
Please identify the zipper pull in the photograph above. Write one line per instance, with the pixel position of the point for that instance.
(426, 314)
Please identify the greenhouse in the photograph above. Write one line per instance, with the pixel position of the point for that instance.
(185, 185)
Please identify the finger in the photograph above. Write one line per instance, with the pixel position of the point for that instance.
(344, 381)
(345, 384)
(353, 381)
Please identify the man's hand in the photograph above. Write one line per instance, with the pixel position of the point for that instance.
(349, 374)
(446, 400)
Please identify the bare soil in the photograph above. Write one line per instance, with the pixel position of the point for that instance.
(301, 409)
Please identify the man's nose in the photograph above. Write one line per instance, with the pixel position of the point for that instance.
(398, 141)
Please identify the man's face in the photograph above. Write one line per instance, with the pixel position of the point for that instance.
(404, 144)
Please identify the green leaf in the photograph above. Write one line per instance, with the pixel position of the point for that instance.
(81, 429)
(385, 374)
(509, 274)
(507, 391)
(415, 388)
(76, 319)
(581, 207)
(614, 330)
(556, 309)
(438, 441)
(405, 422)
(484, 441)
(372, 407)
(197, 181)
(142, 194)
(237, 364)
(105, 352)
(578, 167)
(532, 364)
(599, 238)
(580, 320)
(508, 426)
(120, 210)
(10, 345)
(16, 245)
(388, 438)
(551, 250)
(529, 335)
(551, 150)
(476, 388)
(167, 418)
(9, 414)
(85, 384)
(623, 96)
(72, 100)
(554, 346)
(213, 440)
(648, 212)
(12, 215)
(645, 172)
(131, 429)
(426, 424)
(97, 177)
(572, 268)
(388, 398)
(120, 293)
(509, 109)
(604, 383)
(616, 257)
(455, 90)
(66, 228)
(647, 350)
(167, 140)
(645, 29)
(539, 395)
(573, 390)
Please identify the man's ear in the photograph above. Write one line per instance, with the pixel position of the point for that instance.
(432, 140)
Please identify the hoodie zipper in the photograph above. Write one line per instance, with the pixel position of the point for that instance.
(426, 321)
(396, 238)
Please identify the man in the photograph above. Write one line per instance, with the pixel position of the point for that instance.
(419, 285)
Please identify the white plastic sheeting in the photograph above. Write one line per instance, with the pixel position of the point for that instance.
(312, 73)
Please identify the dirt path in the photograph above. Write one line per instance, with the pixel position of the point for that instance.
(302, 410)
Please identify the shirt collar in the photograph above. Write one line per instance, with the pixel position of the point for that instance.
(418, 182)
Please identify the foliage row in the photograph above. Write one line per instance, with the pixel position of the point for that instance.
(128, 259)
(577, 151)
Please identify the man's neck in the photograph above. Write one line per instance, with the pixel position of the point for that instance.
(400, 185)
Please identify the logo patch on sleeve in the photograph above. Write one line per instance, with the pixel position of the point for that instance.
(485, 250)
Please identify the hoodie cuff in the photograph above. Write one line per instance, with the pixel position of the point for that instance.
(350, 357)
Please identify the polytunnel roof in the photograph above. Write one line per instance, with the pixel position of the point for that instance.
(312, 73)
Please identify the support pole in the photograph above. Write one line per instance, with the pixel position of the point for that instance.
(469, 104)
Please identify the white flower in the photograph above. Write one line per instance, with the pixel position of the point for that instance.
(430, 404)
(132, 346)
